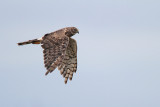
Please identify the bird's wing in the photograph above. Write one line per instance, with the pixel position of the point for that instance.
(54, 45)
(69, 64)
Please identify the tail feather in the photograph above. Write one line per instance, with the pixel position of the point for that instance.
(34, 41)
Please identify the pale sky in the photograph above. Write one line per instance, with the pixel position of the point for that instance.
(118, 53)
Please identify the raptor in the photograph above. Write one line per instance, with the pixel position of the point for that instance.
(59, 51)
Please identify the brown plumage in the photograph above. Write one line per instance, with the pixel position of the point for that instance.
(60, 50)
(34, 41)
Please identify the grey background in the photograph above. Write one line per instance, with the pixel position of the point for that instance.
(118, 53)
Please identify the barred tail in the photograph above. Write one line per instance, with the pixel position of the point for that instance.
(34, 41)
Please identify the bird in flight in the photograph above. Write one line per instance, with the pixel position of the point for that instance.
(59, 51)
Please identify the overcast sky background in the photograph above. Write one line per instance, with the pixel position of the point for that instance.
(118, 53)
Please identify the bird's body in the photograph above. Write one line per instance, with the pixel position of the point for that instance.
(60, 50)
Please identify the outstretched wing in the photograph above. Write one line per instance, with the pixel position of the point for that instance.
(54, 45)
(69, 64)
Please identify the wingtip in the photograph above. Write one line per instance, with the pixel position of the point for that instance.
(46, 73)
(65, 81)
(70, 79)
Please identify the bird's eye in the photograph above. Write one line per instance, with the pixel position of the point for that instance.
(74, 30)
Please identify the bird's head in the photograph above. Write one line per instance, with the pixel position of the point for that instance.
(70, 31)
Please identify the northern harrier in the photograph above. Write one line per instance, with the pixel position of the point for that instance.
(59, 50)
